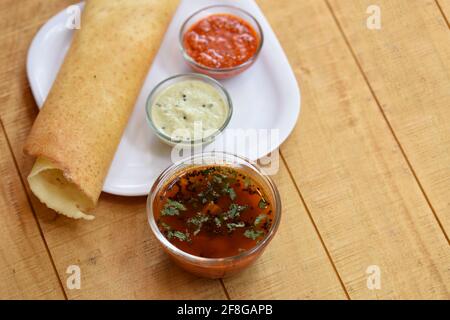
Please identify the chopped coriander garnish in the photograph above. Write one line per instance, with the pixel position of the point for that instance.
(174, 233)
(172, 208)
(253, 234)
(262, 204)
(166, 226)
(198, 221)
(234, 211)
(232, 226)
(247, 182)
(260, 219)
(206, 172)
(209, 194)
(218, 178)
(230, 191)
(176, 205)
(178, 234)
(169, 211)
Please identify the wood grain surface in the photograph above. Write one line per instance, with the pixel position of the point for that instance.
(364, 178)
(412, 87)
(444, 6)
(26, 269)
(356, 183)
(295, 265)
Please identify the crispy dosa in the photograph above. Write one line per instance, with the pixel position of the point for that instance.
(76, 134)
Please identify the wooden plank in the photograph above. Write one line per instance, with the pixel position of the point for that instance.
(445, 7)
(356, 183)
(26, 270)
(118, 256)
(407, 64)
(295, 265)
(116, 253)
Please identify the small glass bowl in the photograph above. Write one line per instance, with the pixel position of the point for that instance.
(223, 73)
(215, 267)
(179, 78)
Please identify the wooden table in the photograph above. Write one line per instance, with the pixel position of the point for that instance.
(364, 179)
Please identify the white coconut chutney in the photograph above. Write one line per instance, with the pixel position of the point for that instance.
(189, 110)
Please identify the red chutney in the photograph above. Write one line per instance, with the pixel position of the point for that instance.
(221, 41)
(213, 212)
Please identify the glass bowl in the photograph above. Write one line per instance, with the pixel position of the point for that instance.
(222, 73)
(179, 78)
(215, 267)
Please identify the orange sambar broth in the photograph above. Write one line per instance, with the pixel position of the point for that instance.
(190, 189)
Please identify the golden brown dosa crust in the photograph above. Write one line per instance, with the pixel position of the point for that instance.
(85, 114)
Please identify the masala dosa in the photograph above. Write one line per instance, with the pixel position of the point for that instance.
(76, 134)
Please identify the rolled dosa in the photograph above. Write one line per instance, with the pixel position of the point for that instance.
(77, 132)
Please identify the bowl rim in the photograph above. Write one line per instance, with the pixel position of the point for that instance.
(169, 172)
(247, 63)
(204, 140)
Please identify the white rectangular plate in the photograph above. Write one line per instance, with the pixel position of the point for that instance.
(266, 98)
